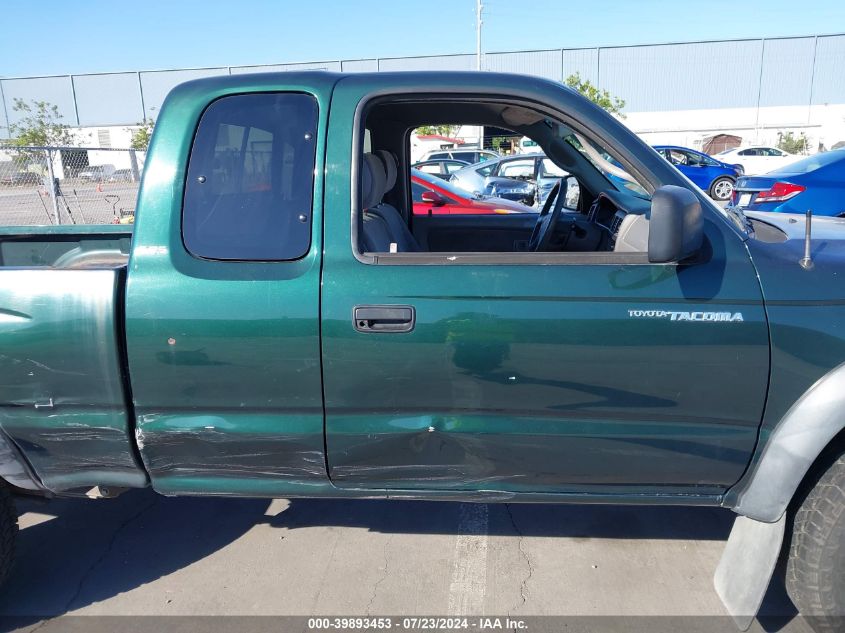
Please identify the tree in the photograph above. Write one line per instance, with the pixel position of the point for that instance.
(141, 137)
(788, 142)
(39, 125)
(442, 130)
(601, 98)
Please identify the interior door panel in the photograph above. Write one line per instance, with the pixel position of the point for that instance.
(474, 233)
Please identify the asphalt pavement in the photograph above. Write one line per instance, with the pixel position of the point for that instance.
(142, 554)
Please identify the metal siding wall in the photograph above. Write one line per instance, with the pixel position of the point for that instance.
(787, 72)
(108, 99)
(829, 77)
(158, 83)
(286, 68)
(584, 61)
(440, 62)
(4, 124)
(539, 63)
(683, 76)
(359, 66)
(55, 90)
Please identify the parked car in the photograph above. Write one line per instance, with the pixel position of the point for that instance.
(758, 159)
(21, 178)
(816, 182)
(525, 178)
(442, 168)
(470, 155)
(96, 173)
(121, 175)
(432, 195)
(715, 177)
(275, 336)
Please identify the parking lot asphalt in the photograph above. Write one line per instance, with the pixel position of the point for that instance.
(142, 554)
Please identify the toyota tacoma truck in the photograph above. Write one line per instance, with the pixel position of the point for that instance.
(279, 323)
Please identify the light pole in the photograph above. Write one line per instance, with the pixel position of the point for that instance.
(479, 7)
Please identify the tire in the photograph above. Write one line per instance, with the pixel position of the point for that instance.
(722, 188)
(8, 531)
(815, 570)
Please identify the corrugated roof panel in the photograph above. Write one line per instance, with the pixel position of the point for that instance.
(439, 62)
(538, 63)
(359, 65)
(787, 71)
(113, 99)
(829, 77)
(683, 76)
(54, 90)
(584, 61)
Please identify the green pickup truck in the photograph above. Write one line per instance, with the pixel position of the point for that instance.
(280, 323)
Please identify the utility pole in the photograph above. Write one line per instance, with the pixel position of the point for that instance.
(479, 7)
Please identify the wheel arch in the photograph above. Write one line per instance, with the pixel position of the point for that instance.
(802, 441)
(15, 469)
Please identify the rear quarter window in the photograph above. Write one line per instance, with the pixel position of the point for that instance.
(250, 181)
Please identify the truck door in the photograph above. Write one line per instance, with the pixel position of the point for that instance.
(222, 315)
(535, 375)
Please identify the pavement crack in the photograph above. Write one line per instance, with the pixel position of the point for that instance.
(384, 575)
(524, 553)
(88, 572)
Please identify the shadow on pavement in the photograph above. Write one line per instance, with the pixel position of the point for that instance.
(89, 551)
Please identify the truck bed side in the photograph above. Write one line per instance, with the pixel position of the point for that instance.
(63, 401)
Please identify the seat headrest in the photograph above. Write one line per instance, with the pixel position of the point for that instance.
(391, 166)
(373, 180)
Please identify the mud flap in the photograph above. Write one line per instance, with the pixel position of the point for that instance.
(746, 567)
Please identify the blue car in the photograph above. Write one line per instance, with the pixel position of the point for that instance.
(816, 182)
(714, 177)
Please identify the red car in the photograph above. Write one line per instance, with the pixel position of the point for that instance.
(436, 196)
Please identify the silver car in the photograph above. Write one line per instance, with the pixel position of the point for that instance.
(526, 178)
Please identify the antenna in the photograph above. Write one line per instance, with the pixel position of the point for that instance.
(807, 261)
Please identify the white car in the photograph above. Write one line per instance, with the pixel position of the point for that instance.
(758, 159)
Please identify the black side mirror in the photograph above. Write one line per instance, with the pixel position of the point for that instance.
(676, 225)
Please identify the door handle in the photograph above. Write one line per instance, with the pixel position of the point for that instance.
(384, 318)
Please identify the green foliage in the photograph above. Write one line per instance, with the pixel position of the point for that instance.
(39, 125)
(141, 137)
(442, 130)
(601, 98)
(788, 142)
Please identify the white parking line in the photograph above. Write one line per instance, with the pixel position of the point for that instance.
(469, 567)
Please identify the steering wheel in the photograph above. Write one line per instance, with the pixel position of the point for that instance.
(541, 236)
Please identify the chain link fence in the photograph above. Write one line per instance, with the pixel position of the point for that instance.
(68, 185)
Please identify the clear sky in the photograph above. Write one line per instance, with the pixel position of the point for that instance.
(65, 36)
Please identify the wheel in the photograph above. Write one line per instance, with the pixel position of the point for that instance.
(722, 188)
(8, 531)
(815, 570)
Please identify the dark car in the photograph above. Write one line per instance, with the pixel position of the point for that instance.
(441, 168)
(713, 176)
(816, 182)
(21, 178)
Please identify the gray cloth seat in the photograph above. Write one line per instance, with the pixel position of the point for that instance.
(383, 225)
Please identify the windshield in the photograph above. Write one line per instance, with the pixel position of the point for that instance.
(607, 165)
(811, 163)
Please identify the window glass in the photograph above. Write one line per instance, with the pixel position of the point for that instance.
(487, 169)
(470, 157)
(549, 170)
(438, 155)
(250, 179)
(417, 191)
(453, 167)
(811, 163)
(517, 169)
(430, 169)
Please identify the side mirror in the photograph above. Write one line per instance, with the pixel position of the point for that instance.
(433, 198)
(676, 225)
